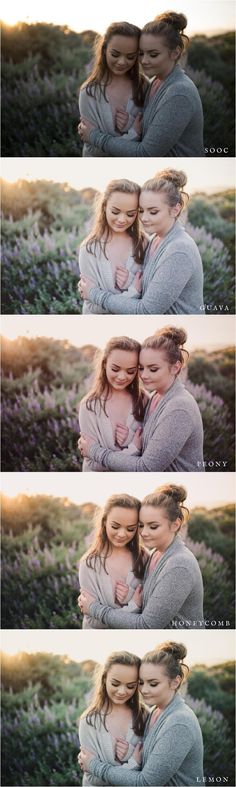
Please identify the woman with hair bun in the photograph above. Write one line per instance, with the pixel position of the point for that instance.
(172, 281)
(172, 437)
(172, 122)
(172, 744)
(172, 584)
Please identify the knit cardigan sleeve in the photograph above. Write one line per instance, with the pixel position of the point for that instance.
(163, 291)
(163, 761)
(172, 589)
(163, 447)
(166, 127)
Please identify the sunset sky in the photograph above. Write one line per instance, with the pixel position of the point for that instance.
(208, 178)
(78, 489)
(204, 647)
(209, 332)
(206, 16)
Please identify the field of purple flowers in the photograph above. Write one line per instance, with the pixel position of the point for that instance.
(43, 696)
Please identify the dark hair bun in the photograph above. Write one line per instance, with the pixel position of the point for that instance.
(178, 21)
(175, 649)
(176, 335)
(177, 177)
(172, 490)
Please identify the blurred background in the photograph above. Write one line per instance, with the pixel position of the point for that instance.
(47, 685)
(47, 54)
(48, 209)
(47, 367)
(44, 535)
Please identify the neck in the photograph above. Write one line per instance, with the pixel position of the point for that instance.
(165, 704)
(167, 229)
(166, 74)
(167, 544)
(165, 388)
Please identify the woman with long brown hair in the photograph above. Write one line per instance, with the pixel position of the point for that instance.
(113, 724)
(115, 402)
(113, 566)
(113, 94)
(115, 245)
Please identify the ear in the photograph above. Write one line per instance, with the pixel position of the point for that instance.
(176, 368)
(175, 211)
(175, 526)
(175, 53)
(175, 683)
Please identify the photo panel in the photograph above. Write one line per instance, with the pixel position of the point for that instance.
(53, 525)
(50, 681)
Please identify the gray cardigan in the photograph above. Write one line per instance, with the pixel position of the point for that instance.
(172, 123)
(172, 595)
(172, 438)
(98, 740)
(98, 111)
(172, 752)
(172, 280)
(99, 583)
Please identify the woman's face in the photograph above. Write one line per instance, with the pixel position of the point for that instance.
(121, 211)
(156, 531)
(156, 373)
(121, 54)
(156, 215)
(121, 525)
(121, 683)
(121, 368)
(155, 686)
(155, 57)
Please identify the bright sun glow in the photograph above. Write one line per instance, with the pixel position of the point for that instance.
(203, 16)
(209, 332)
(78, 489)
(204, 647)
(209, 178)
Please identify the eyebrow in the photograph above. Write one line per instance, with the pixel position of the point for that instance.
(130, 210)
(118, 523)
(150, 51)
(117, 52)
(130, 369)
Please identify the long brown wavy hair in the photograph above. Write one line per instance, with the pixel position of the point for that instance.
(100, 77)
(101, 232)
(100, 391)
(100, 704)
(100, 548)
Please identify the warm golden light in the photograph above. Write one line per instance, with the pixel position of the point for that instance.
(208, 332)
(204, 647)
(78, 489)
(209, 178)
(82, 16)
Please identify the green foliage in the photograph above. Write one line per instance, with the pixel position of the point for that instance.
(43, 697)
(43, 540)
(216, 529)
(216, 213)
(216, 371)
